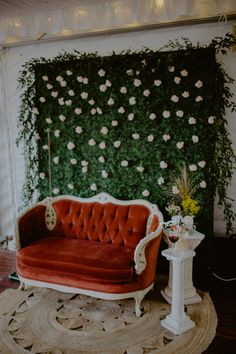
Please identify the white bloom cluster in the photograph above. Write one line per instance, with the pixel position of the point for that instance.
(56, 191)
(192, 167)
(78, 130)
(140, 169)
(146, 193)
(42, 175)
(171, 69)
(179, 113)
(198, 99)
(123, 89)
(146, 93)
(70, 146)
(71, 93)
(185, 94)
(124, 163)
(121, 110)
(101, 159)
(49, 86)
(104, 130)
(56, 160)
(180, 144)
(152, 116)
(57, 133)
(78, 110)
(184, 72)
(150, 138)
(157, 82)
(132, 101)
(135, 136)
(45, 78)
(73, 161)
(195, 139)
(91, 102)
(163, 165)
(114, 123)
(102, 145)
(192, 120)
(166, 137)
(101, 73)
(174, 98)
(199, 84)
(62, 117)
(131, 116)
(70, 186)
(42, 99)
(117, 143)
(202, 164)
(84, 95)
(160, 181)
(211, 119)
(166, 114)
(48, 120)
(93, 187)
(54, 94)
(137, 82)
(177, 79)
(175, 190)
(111, 101)
(104, 174)
(68, 72)
(203, 184)
(92, 142)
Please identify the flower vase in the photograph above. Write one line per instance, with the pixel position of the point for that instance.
(188, 223)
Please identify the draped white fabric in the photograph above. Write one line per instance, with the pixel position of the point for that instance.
(59, 18)
(11, 61)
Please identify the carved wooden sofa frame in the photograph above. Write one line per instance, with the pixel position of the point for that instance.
(49, 227)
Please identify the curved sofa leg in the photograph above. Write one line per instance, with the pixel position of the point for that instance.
(138, 301)
(21, 286)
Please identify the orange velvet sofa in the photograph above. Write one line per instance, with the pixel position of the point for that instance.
(99, 246)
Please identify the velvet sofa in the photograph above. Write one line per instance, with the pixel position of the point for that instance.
(99, 246)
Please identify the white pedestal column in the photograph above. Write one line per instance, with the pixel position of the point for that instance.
(177, 321)
(190, 294)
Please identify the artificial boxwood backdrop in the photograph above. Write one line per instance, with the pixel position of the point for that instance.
(124, 122)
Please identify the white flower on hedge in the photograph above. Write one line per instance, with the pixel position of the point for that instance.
(101, 159)
(175, 190)
(61, 101)
(45, 147)
(91, 102)
(59, 78)
(101, 72)
(203, 184)
(104, 174)
(78, 110)
(145, 193)
(111, 101)
(108, 83)
(68, 102)
(180, 144)
(137, 82)
(174, 98)
(166, 114)
(114, 123)
(85, 80)
(102, 145)
(140, 169)
(70, 186)
(121, 110)
(54, 93)
(35, 110)
(42, 175)
(195, 139)
(163, 165)
(211, 119)
(48, 120)
(93, 111)
(152, 116)
(146, 93)
(84, 163)
(202, 164)
(124, 163)
(73, 161)
(62, 118)
(84, 95)
(135, 136)
(78, 130)
(42, 99)
(137, 72)
(36, 136)
(166, 137)
(56, 191)
(92, 142)
(70, 146)
(99, 111)
(160, 181)
(56, 160)
(129, 72)
(63, 83)
(104, 130)
(185, 94)
(132, 100)
(184, 72)
(57, 133)
(85, 169)
(193, 167)
(102, 88)
(45, 78)
(192, 120)
(131, 116)
(68, 72)
(171, 69)
(198, 99)
(150, 138)
(177, 79)
(157, 82)
(179, 113)
(93, 187)
(123, 89)
(80, 78)
(117, 143)
(199, 84)
(49, 86)
(71, 93)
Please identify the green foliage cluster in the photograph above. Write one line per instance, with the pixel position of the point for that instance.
(124, 122)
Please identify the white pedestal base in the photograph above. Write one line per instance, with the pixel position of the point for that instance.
(177, 327)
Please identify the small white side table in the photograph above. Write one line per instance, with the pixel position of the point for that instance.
(178, 321)
(190, 294)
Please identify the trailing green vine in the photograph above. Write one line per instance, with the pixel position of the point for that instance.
(121, 123)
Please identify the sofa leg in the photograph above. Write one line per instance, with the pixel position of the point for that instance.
(138, 308)
(22, 286)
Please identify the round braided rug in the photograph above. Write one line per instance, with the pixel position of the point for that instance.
(47, 321)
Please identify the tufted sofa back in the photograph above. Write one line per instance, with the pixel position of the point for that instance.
(111, 223)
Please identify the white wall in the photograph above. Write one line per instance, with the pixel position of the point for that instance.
(13, 59)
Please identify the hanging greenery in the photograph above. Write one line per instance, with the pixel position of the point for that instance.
(121, 123)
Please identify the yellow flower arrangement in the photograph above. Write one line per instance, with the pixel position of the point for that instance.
(190, 206)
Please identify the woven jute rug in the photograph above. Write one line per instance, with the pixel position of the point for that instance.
(47, 321)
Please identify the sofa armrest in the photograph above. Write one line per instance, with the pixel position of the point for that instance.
(140, 255)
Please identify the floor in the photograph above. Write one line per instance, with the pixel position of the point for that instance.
(222, 293)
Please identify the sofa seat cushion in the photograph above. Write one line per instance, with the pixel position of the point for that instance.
(100, 261)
